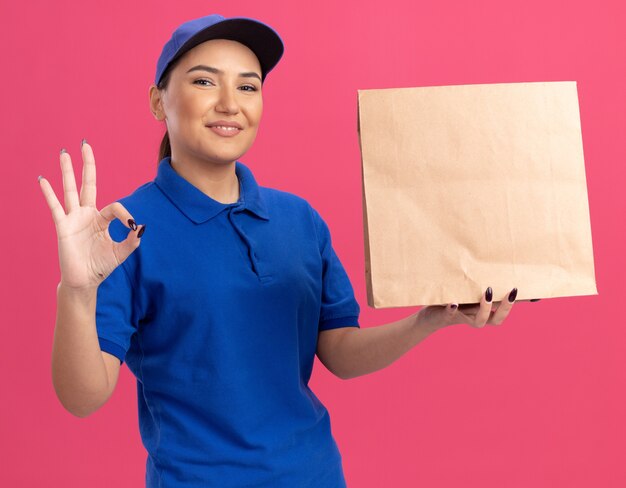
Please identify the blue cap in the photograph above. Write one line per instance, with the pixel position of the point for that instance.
(259, 37)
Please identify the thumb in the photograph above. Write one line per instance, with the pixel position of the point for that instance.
(124, 248)
(451, 313)
(128, 245)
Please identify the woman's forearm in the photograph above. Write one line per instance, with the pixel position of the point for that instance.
(79, 374)
(364, 351)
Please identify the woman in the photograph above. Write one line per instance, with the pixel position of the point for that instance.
(235, 287)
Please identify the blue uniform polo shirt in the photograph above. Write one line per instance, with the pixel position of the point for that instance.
(217, 314)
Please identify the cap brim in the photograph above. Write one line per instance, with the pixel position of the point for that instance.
(258, 37)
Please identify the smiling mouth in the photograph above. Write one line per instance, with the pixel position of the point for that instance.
(224, 131)
(225, 127)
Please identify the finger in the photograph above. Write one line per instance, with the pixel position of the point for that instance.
(467, 313)
(127, 246)
(451, 314)
(88, 186)
(53, 202)
(452, 309)
(485, 308)
(69, 182)
(505, 307)
(117, 210)
(124, 248)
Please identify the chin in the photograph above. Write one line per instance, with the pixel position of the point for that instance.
(225, 158)
(225, 151)
(227, 154)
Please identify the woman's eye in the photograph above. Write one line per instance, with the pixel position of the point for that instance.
(199, 81)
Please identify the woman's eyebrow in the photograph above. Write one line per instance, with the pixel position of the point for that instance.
(211, 69)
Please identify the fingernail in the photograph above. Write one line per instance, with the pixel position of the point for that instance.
(489, 294)
(63, 150)
(132, 224)
(535, 299)
(39, 178)
(512, 295)
(454, 306)
(83, 142)
(140, 233)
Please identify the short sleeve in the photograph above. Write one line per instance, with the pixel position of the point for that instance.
(115, 316)
(339, 307)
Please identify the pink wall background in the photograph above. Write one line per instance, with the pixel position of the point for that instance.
(538, 401)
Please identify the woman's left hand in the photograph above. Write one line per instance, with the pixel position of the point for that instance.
(476, 315)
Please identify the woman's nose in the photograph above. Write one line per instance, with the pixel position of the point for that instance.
(227, 101)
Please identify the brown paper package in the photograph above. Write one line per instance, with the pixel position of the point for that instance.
(470, 186)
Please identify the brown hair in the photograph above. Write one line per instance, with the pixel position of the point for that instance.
(165, 149)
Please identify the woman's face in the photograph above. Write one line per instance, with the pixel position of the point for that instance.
(198, 96)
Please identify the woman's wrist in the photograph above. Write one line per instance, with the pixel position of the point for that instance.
(427, 321)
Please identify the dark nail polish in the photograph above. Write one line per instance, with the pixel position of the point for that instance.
(512, 295)
(454, 306)
(63, 150)
(83, 142)
(535, 299)
(489, 294)
(132, 224)
(140, 233)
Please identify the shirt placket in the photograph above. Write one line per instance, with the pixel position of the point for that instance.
(233, 213)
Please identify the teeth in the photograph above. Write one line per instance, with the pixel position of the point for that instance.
(225, 127)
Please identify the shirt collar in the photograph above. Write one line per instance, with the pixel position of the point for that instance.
(198, 206)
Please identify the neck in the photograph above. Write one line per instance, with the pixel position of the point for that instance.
(218, 181)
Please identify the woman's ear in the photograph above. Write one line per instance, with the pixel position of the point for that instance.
(156, 103)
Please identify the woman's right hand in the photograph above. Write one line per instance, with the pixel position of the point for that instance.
(87, 254)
